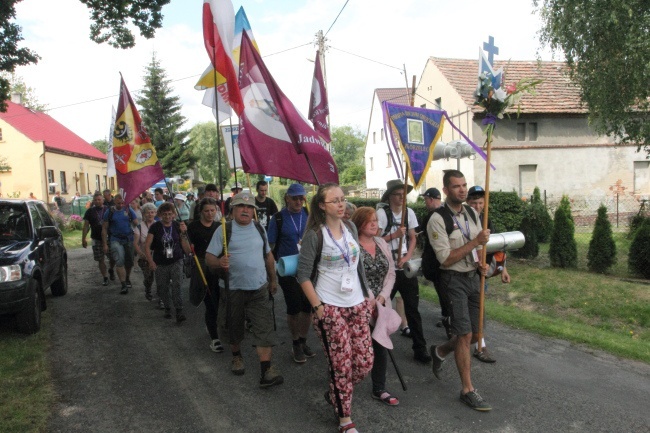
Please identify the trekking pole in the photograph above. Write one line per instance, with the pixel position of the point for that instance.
(399, 375)
(339, 405)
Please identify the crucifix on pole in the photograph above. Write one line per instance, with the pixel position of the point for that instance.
(491, 49)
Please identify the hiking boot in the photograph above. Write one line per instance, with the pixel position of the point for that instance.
(422, 356)
(124, 290)
(216, 346)
(128, 284)
(484, 356)
(298, 354)
(307, 350)
(436, 363)
(105, 282)
(237, 367)
(475, 401)
(111, 274)
(271, 377)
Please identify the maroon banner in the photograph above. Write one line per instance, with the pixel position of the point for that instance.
(318, 106)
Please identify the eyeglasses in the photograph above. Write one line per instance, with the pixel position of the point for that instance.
(336, 201)
(297, 198)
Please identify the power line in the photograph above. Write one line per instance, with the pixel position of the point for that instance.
(337, 17)
(288, 49)
(365, 58)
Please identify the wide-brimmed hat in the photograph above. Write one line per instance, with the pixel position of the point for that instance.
(393, 185)
(245, 198)
(180, 197)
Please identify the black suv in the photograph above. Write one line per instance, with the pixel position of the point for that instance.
(32, 258)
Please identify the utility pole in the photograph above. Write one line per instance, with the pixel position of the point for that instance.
(322, 48)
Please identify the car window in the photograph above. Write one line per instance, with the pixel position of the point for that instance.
(37, 221)
(13, 221)
(45, 215)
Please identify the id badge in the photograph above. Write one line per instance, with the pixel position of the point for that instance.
(299, 245)
(347, 284)
(475, 256)
(169, 252)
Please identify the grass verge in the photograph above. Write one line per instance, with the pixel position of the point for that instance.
(26, 393)
(72, 239)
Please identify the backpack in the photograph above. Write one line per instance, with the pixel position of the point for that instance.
(111, 211)
(259, 228)
(390, 221)
(430, 263)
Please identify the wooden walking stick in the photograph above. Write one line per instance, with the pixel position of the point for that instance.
(481, 311)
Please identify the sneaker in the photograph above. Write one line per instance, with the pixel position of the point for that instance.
(270, 378)
(124, 290)
(436, 363)
(111, 274)
(307, 350)
(475, 401)
(405, 332)
(105, 282)
(216, 346)
(180, 317)
(298, 354)
(484, 356)
(422, 356)
(237, 367)
(128, 284)
(168, 313)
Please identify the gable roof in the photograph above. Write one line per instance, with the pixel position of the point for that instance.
(38, 126)
(556, 94)
(396, 95)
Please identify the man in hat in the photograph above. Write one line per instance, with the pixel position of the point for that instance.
(389, 218)
(211, 191)
(252, 281)
(476, 199)
(457, 249)
(265, 205)
(285, 234)
(432, 201)
(234, 190)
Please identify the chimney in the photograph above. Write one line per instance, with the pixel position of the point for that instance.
(17, 98)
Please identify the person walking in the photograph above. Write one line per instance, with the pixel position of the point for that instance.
(141, 232)
(166, 242)
(285, 235)
(379, 268)
(93, 219)
(333, 280)
(266, 207)
(117, 233)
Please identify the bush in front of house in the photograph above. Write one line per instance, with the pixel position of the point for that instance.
(602, 248)
(528, 227)
(544, 222)
(563, 250)
(639, 257)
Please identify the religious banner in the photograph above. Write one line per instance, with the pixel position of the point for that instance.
(230, 136)
(417, 130)
(318, 106)
(136, 164)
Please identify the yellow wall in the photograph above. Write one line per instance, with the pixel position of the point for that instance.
(28, 164)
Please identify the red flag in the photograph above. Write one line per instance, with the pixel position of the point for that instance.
(318, 106)
(274, 138)
(218, 36)
(136, 164)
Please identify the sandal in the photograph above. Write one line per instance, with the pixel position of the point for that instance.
(347, 427)
(385, 397)
(406, 332)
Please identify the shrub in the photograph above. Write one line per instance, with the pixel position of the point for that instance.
(639, 257)
(563, 250)
(602, 248)
(635, 222)
(75, 222)
(544, 222)
(506, 211)
(528, 227)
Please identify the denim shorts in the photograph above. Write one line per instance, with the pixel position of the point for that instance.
(122, 252)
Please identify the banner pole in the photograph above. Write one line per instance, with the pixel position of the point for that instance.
(481, 313)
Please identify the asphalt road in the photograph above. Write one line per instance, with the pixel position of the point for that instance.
(118, 366)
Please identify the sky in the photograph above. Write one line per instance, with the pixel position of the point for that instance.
(369, 45)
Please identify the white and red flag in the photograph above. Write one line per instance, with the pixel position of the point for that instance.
(318, 105)
(274, 138)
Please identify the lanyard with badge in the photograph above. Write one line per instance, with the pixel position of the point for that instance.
(466, 235)
(168, 242)
(348, 276)
(297, 227)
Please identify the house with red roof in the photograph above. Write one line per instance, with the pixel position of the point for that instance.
(550, 145)
(45, 157)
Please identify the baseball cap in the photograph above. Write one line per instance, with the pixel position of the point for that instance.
(295, 189)
(237, 185)
(432, 193)
(180, 197)
(476, 191)
(211, 187)
(245, 198)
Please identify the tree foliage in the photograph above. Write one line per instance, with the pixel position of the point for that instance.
(607, 49)
(528, 227)
(111, 20)
(101, 145)
(347, 150)
(563, 250)
(203, 137)
(161, 115)
(543, 221)
(602, 248)
(639, 257)
(28, 94)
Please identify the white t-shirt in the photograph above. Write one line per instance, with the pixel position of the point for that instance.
(382, 221)
(338, 281)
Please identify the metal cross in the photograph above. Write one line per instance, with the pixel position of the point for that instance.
(491, 49)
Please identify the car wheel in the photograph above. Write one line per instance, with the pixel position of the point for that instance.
(29, 320)
(60, 286)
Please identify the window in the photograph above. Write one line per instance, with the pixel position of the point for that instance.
(381, 134)
(389, 161)
(527, 179)
(438, 103)
(641, 177)
(371, 165)
(97, 186)
(521, 131)
(374, 138)
(50, 182)
(532, 131)
(64, 184)
(37, 221)
(105, 183)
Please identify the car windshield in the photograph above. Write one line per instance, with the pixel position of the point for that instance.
(13, 222)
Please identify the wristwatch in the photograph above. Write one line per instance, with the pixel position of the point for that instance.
(315, 309)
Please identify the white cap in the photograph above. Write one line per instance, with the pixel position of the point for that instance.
(180, 197)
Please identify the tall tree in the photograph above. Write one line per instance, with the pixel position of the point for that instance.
(347, 150)
(161, 115)
(111, 20)
(17, 85)
(101, 145)
(607, 49)
(203, 137)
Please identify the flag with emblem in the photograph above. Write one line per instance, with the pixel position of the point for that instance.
(318, 105)
(136, 164)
